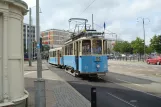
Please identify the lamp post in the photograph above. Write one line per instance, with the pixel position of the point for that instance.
(143, 21)
(39, 84)
(30, 40)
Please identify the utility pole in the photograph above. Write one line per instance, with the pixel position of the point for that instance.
(40, 100)
(143, 21)
(144, 38)
(92, 23)
(29, 40)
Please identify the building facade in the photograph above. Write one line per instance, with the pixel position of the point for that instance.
(12, 90)
(26, 32)
(110, 45)
(54, 37)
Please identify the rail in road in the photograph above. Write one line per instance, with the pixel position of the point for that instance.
(109, 91)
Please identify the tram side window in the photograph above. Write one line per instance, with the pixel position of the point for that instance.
(66, 50)
(51, 54)
(104, 47)
(86, 47)
(54, 53)
(60, 53)
(70, 49)
(97, 46)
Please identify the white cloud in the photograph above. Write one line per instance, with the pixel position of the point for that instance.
(30, 3)
(120, 15)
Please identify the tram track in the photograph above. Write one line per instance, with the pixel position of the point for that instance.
(109, 94)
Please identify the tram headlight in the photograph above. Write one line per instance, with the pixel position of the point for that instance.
(98, 66)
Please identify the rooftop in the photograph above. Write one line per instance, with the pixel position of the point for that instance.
(56, 30)
(19, 3)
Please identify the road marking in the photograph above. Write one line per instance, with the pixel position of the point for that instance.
(133, 101)
(135, 89)
(130, 82)
(29, 72)
(121, 99)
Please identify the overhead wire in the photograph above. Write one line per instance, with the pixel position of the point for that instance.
(88, 6)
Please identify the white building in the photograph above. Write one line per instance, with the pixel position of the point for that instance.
(12, 90)
(26, 34)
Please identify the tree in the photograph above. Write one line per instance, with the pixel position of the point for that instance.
(149, 49)
(122, 47)
(117, 47)
(138, 46)
(125, 47)
(155, 43)
(46, 47)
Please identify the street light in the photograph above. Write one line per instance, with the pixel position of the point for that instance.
(30, 46)
(143, 21)
(40, 100)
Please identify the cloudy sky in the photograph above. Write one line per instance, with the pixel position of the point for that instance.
(120, 16)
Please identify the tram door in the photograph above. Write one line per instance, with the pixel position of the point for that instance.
(77, 55)
(58, 54)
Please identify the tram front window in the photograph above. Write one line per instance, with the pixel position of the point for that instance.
(86, 47)
(97, 46)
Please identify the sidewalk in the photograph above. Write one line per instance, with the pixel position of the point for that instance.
(58, 92)
(128, 62)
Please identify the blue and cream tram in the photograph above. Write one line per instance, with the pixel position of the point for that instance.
(86, 53)
(55, 56)
(83, 54)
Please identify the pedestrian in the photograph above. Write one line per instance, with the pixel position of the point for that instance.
(47, 57)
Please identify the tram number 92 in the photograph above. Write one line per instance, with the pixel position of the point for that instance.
(97, 58)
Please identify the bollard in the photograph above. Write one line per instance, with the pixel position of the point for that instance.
(93, 97)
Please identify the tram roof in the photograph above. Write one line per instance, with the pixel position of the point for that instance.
(58, 48)
(88, 37)
(88, 34)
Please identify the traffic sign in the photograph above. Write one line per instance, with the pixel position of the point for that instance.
(38, 45)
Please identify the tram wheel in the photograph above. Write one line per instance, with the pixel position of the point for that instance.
(72, 70)
(76, 73)
(66, 68)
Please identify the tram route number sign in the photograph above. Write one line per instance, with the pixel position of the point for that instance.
(97, 58)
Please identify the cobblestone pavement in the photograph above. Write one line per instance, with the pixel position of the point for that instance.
(58, 92)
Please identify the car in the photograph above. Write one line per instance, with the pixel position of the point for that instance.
(123, 55)
(154, 60)
(130, 56)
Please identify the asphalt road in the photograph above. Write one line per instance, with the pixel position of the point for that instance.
(109, 91)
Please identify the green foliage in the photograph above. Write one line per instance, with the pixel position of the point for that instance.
(125, 47)
(122, 47)
(117, 47)
(155, 43)
(138, 45)
(46, 47)
(149, 49)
